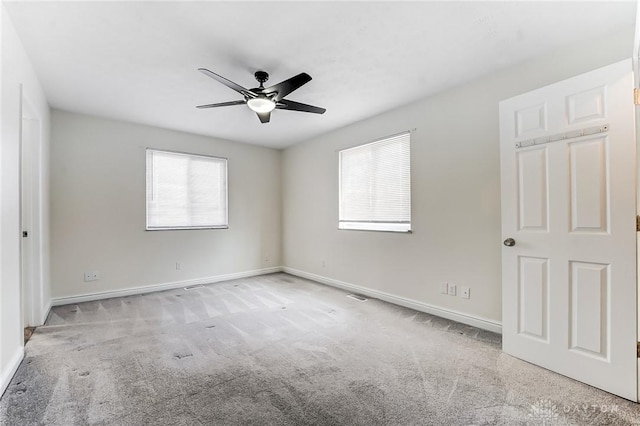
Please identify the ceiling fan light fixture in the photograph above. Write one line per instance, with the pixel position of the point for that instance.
(261, 104)
(263, 100)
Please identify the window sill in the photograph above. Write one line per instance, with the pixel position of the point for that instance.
(376, 227)
(184, 228)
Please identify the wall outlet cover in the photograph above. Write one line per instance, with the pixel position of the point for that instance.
(91, 276)
(465, 292)
(452, 290)
(444, 288)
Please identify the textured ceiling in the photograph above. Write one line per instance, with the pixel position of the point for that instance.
(137, 61)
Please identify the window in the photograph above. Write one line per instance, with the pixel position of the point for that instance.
(375, 185)
(186, 191)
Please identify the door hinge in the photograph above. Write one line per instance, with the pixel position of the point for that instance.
(636, 96)
(638, 350)
(637, 223)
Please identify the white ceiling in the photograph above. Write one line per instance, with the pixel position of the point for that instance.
(137, 61)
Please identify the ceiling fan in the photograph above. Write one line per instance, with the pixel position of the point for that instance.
(262, 99)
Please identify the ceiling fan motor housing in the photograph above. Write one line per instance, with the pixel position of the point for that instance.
(261, 76)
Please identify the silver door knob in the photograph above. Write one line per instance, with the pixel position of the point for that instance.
(509, 242)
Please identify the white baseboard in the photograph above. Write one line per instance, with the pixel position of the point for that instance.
(474, 321)
(57, 301)
(12, 367)
(45, 312)
(482, 323)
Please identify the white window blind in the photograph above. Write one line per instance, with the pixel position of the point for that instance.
(375, 185)
(186, 191)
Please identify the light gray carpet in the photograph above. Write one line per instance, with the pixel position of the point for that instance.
(280, 350)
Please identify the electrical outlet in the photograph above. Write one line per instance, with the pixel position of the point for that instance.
(452, 290)
(178, 266)
(444, 288)
(465, 292)
(91, 276)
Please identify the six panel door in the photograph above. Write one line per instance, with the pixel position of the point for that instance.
(568, 176)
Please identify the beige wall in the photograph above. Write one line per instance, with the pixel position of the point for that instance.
(455, 190)
(98, 209)
(18, 81)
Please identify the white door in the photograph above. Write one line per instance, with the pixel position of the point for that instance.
(568, 174)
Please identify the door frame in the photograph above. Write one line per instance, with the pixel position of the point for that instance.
(31, 249)
(635, 57)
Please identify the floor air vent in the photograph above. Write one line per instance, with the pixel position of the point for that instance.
(358, 297)
(193, 287)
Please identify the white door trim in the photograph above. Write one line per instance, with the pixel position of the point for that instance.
(32, 283)
(636, 84)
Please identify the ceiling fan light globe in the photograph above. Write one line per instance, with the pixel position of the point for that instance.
(261, 105)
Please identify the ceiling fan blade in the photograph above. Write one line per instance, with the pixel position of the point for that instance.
(221, 104)
(297, 106)
(283, 88)
(230, 84)
(264, 116)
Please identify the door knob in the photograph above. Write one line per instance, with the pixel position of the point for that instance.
(509, 242)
